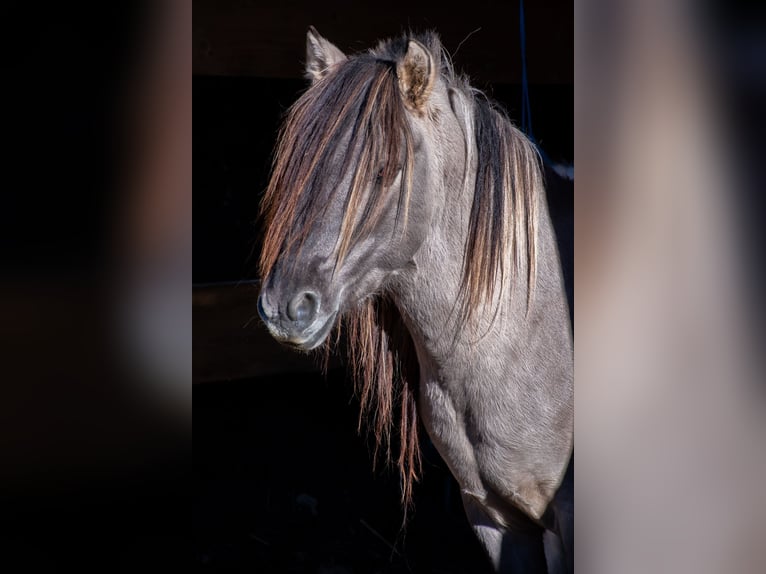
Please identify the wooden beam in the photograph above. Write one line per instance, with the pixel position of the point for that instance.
(267, 39)
(230, 341)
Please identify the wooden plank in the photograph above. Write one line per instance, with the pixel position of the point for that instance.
(230, 341)
(267, 39)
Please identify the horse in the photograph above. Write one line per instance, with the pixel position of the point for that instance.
(405, 209)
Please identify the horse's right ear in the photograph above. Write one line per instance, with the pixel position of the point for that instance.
(321, 55)
(417, 75)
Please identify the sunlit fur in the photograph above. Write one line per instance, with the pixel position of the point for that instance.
(360, 100)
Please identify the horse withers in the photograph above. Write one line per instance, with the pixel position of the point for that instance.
(407, 209)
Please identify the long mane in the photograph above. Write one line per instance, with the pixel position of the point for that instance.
(358, 105)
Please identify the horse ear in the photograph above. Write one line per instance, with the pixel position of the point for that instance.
(321, 55)
(417, 75)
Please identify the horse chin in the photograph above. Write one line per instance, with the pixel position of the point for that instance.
(315, 338)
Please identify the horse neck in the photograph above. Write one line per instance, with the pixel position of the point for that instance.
(428, 296)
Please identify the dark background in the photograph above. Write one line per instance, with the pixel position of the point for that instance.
(282, 480)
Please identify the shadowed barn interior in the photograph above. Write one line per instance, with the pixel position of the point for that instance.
(283, 482)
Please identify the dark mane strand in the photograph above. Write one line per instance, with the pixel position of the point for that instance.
(502, 227)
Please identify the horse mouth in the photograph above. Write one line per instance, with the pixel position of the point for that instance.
(315, 338)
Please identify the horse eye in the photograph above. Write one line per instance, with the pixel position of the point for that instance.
(382, 171)
(379, 175)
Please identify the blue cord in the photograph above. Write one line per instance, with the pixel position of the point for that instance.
(526, 112)
(526, 108)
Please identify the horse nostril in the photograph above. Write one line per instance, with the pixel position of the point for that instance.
(303, 307)
(261, 310)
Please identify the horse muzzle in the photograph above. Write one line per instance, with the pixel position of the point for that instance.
(297, 320)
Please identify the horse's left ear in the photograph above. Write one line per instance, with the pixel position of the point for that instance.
(417, 74)
(321, 55)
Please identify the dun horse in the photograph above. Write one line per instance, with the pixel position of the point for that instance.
(406, 208)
